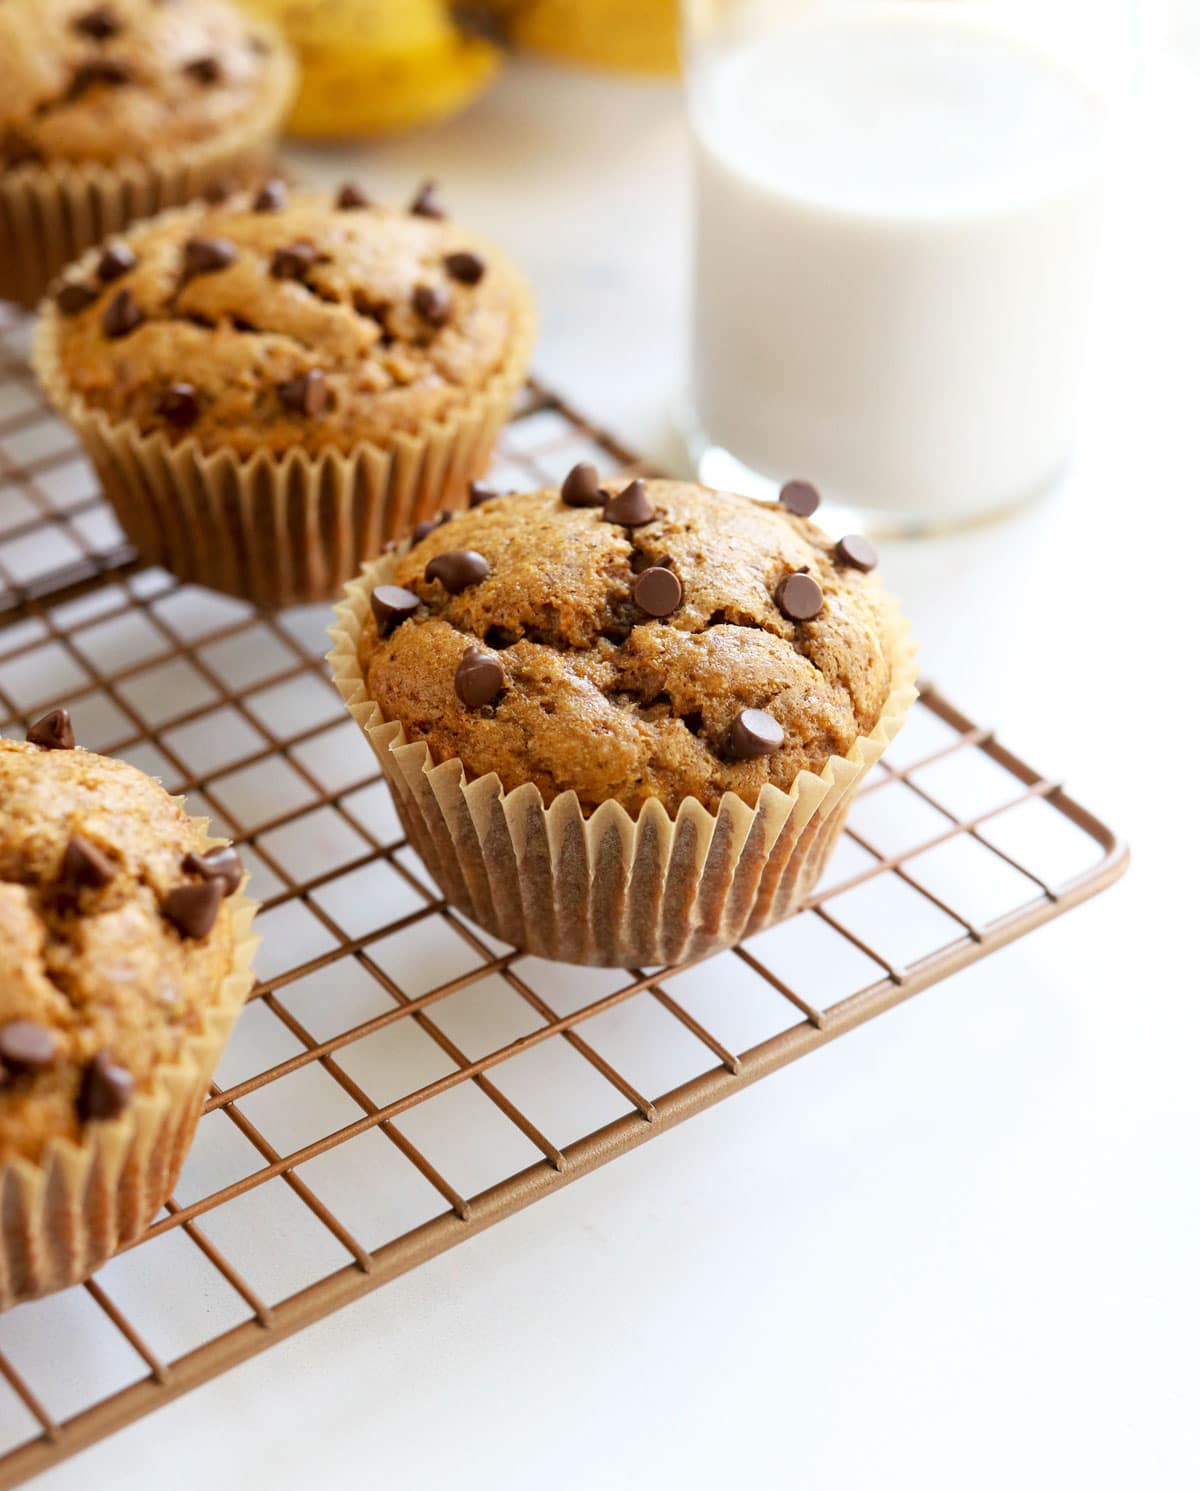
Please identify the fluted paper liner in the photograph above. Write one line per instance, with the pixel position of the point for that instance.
(610, 889)
(62, 1217)
(52, 213)
(286, 529)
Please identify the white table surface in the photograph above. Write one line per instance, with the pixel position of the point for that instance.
(953, 1249)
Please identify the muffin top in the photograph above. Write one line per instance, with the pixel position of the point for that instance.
(656, 641)
(286, 320)
(108, 80)
(114, 935)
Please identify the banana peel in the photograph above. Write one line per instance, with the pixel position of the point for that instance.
(632, 35)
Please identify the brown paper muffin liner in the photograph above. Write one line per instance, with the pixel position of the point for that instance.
(61, 1218)
(282, 530)
(50, 214)
(609, 889)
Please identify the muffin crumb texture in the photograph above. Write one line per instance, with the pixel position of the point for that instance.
(631, 643)
(99, 986)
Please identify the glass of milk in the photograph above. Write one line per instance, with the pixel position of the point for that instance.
(898, 210)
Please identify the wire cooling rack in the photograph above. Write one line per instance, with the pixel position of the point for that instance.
(399, 1080)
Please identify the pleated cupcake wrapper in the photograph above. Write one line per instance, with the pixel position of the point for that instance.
(283, 530)
(611, 889)
(50, 214)
(61, 1218)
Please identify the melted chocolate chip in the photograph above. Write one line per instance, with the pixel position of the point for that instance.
(754, 733)
(84, 867)
(27, 1047)
(391, 604)
(479, 679)
(432, 303)
(179, 405)
(423, 530)
(425, 203)
(477, 493)
(307, 394)
(799, 597)
(223, 866)
(220, 190)
(100, 24)
(465, 267)
(800, 498)
(582, 486)
(192, 909)
(457, 569)
(351, 197)
(657, 591)
(630, 508)
(103, 72)
(53, 732)
(116, 260)
(76, 296)
(272, 196)
(857, 552)
(207, 255)
(204, 70)
(106, 1090)
(121, 316)
(293, 261)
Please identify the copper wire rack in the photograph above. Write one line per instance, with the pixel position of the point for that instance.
(400, 1081)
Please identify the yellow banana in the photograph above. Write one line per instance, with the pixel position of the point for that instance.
(636, 35)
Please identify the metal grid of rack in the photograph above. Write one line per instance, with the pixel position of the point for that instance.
(399, 1080)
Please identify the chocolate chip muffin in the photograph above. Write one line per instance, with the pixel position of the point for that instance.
(113, 110)
(321, 368)
(123, 944)
(681, 681)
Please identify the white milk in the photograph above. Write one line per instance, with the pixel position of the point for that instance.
(897, 222)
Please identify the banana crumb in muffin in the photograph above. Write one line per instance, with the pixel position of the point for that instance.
(631, 641)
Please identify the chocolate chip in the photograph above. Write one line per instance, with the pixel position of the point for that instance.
(465, 267)
(392, 604)
(352, 196)
(478, 678)
(220, 190)
(116, 260)
(425, 203)
(432, 303)
(53, 732)
(84, 867)
(857, 552)
(307, 394)
(582, 486)
(630, 508)
(101, 24)
(121, 316)
(106, 72)
(205, 70)
(272, 196)
(657, 591)
(423, 530)
(477, 493)
(754, 733)
(27, 1047)
(179, 405)
(207, 255)
(799, 597)
(293, 262)
(106, 1090)
(76, 296)
(223, 866)
(192, 909)
(800, 498)
(457, 569)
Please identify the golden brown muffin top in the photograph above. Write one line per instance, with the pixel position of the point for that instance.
(722, 644)
(109, 80)
(111, 947)
(287, 320)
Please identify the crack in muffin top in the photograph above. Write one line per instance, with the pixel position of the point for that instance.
(110, 80)
(287, 320)
(597, 693)
(98, 986)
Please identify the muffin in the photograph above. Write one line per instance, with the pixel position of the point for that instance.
(274, 387)
(114, 110)
(623, 723)
(124, 940)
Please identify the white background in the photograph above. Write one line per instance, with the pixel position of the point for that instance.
(959, 1247)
